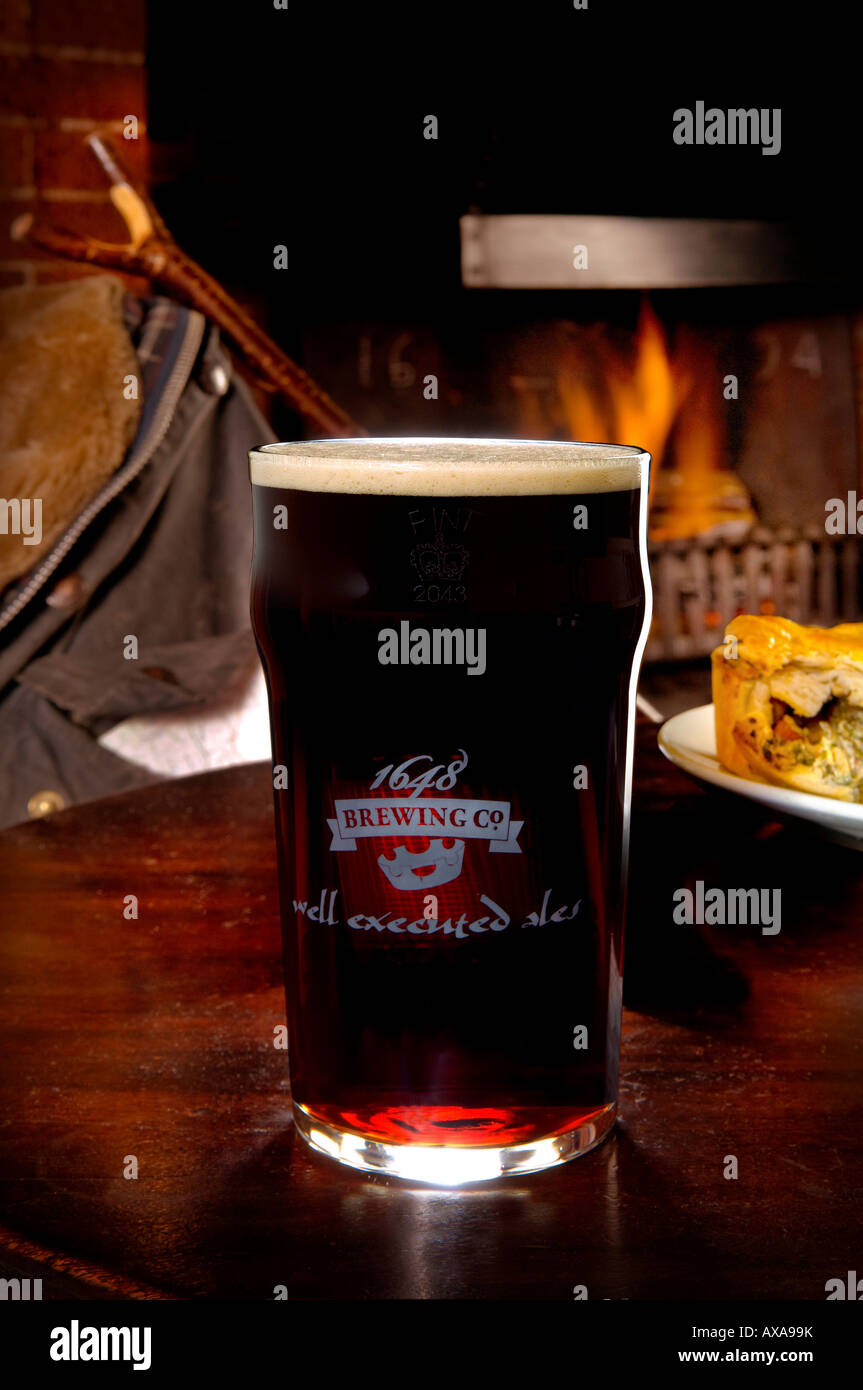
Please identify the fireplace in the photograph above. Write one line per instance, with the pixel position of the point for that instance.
(741, 371)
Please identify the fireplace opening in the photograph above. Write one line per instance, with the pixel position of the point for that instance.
(752, 428)
(748, 399)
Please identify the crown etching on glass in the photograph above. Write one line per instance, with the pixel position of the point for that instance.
(439, 559)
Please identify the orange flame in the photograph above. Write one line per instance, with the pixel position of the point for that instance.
(637, 403)
(650, 398)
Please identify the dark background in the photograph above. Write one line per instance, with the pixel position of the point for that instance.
(305, 127)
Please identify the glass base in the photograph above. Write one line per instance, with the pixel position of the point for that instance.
(450, 1165)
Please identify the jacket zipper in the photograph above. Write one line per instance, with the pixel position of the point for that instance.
(141, 455)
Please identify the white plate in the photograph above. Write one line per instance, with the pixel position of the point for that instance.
(689, 741)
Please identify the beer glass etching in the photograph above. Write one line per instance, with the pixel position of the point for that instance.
(451, 632)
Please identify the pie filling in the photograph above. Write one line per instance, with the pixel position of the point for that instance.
(830, 741)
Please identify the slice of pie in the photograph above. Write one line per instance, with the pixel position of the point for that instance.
(788, 702)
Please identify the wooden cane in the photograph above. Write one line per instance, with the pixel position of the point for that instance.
(152, 252)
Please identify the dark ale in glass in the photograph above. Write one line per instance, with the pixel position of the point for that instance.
(451, 632)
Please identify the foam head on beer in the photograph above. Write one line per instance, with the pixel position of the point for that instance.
(448, 467)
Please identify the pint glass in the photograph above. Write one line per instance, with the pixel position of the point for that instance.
(450, 631)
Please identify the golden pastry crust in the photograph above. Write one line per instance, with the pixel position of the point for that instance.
(788, 704)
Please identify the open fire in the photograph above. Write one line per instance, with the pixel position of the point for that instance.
(669, 400)
(671, 394)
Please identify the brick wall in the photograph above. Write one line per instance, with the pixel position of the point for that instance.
(67, 67)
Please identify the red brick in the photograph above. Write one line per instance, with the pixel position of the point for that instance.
(17, 91)
(51, 272)
(16, 157)
(51, 88)
(100, 220)
(91, 24)
(91, 219)
(15, 250)
(64, 159)
(99, 91)
(15, 21)
(13, 275)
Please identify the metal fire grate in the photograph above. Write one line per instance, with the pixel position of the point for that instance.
(700, 585)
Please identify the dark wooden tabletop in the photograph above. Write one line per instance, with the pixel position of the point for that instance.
(152, 1040)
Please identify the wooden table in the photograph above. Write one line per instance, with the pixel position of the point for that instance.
(152, 1039)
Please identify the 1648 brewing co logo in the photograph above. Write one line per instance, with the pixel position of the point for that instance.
(455, 818)
(422, 809)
